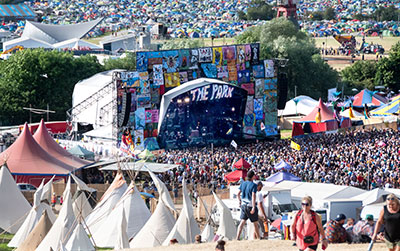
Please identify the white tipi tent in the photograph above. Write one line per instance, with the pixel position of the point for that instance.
(37, 234)
(208, 233)
(186, 227)
(136, 213)
(227, 227)
(161, 222)
(81, 205)
(122, 240)
(63, 224)
(79, 240)
(33, 217)
(14, 206)
(110, 198)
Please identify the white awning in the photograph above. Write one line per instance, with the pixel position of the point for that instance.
(140, 166)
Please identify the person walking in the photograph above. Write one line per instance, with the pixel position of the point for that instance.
(247, 202)
(262, 217)
(390, 217)
(307, 228)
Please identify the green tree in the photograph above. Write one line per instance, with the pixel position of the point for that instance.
(37, 77)
(329, 14)
(279, 38)
(128, 62)
(389, 13)
(360, 75)
(388, 69)
(182, 44)
(257, 10)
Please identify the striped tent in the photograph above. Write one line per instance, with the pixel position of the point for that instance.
(387, 109)
(369, 98)
(16, 12)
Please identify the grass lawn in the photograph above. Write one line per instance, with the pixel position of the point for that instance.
(286, 134)
(386, 42)
(4, 239)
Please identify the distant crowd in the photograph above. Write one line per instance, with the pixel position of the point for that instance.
(364, 159)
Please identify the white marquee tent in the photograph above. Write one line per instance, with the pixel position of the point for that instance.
(304, 106)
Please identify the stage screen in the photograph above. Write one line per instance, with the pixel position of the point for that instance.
(212, 113)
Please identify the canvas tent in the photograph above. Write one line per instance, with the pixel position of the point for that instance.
(369, 98)
(14, 206)
(133, 208)
(357, 115)
(160, 223)
(300, 105)
(387, 109)
(44, 139)
(37, 234)
(98, 216)
(30, 163)
(186, 227)
(327, 121)
(281, 176)
(33, 218)
(227, 227)
(79, 240)
(81, 152)
(61, 228)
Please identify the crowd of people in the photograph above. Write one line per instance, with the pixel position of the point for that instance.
(366, 159)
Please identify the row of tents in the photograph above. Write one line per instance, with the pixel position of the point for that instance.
(32, 158)
(319, 117)
(120, 219)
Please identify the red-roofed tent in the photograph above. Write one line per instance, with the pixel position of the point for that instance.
(44, 139)
(369, 98)
(236, 175)
(242, 164)
(327, 123)
(29, 163)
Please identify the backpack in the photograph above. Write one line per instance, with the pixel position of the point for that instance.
(313, 216)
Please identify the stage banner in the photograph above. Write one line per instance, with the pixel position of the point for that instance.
(170, 61)
(139, 140)
(269, 68)
(152, 116)
(158, 75)
(259, 89)
(217, 56)
(140, 118)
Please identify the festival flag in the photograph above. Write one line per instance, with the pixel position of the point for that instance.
(351, 114)
(234, 144)
(294, 145)
(318, 116)
(366, 115)
(229, 131)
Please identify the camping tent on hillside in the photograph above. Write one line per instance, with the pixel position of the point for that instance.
(44, 139)
(30, 163)
(300, 105)
(14, 206)
(321, 119)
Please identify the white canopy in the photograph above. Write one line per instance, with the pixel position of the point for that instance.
(169, 95)
(141, 166)
(304, 106)
(13, 207)
(372, 196)
(86, 88)
(346, 113)
(75, 43)
(26, 42)
(186, 227)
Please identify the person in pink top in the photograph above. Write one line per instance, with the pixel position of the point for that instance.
(307, 228)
